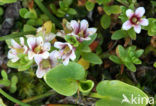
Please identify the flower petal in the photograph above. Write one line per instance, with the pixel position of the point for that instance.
(25, 49)
(46, 46)
(66, 61)
(53, 58)
(82, 39)
(13, 55)
(127, 25)
(73, 56)
(53, 54)
(22, 40)
(31, 55)
(91, 31)
(15, 44)
(39, 29)
(137, 28)
(61, 33)
(37, 59)
(40, 73)
(49, 37)
(84, 25)
(129, 13)
(39, 40)
(59, 45)
(74, 24)
(144, 22)
(31, 42)
(44, 55)
(140, 11)
(69, 45)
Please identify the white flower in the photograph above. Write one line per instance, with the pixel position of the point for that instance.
(135, 19)
(81, 30)
(66, 52)
(37, 48)
(44, 65)
(47, 36)
(17, 49)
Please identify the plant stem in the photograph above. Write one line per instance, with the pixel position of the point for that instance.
(12, 99)
(46, 11)
(14, 35)
(39, 96)
(96, 95)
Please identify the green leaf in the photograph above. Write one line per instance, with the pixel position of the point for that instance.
(84, 48)
(4, 75)
(123, 15)
(88, 42)
(67, 3)
(119, 34)
(130, 66)
(92, 58)
(105, 21)
(125, 2)
(28, 28)
(115, 9)
(2, 103)
(122, 52)
(138, 53)
(72, 40)
(105, 2)
(7, 1)
(30, 15)
(22, 65)
(53, 8)
(23, 11)
(62, 5)
(154, 65)
(31, 22)
(1, 11)
(132, 34)
(60, 13)
(72, 11)
(63, 79)
(89, 5)
(136, 60)
(113, 92)
(15, 35)
(13, 86)
(115, 59)
(100, 1)
(86, 86)
(131, 49)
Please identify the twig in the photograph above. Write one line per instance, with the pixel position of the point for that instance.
(39, 97)
(12, 99)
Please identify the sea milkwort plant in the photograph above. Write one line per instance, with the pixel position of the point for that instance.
(78, 52)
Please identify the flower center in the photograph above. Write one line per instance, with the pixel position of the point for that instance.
(38, 49)
(134, 19)
(19, 50)
(66, 50)
(45, 63)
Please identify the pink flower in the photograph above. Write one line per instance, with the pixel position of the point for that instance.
(135, 19)
(44, 65)
(81, 30)
(37, 48)
(65, 53)
(17, 49)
